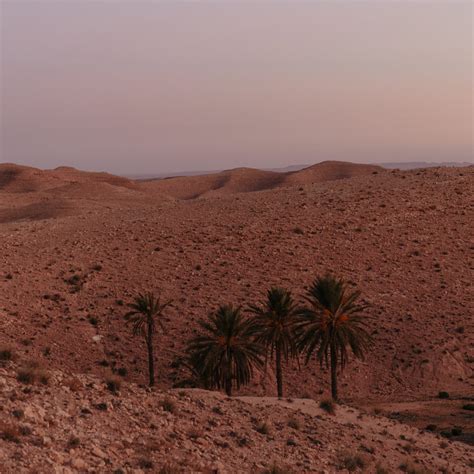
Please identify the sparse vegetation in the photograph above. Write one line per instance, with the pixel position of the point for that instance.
(145, 463)
(170, 469)
(277, 469)
(168, 405)
(411, 468)
(381, 469)
(443, 395)
(73, 442)
(328, 406)
(263, 428)
(9, 432)
(31, 373)
(294, 423)
(351, 461)
(6, 354)
(113, 384)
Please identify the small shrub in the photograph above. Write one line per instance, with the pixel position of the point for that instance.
(431, 427)
(328, 406)
(410, 468)
(6, 354)
(263, 428)
(18, 413)
(380, 469)
(456, 431)
(277, 469)
(351, 461)
(25, 430)
(294, 423)
(298, 230)
(170, 469)
(194, 434)
(145, 463)
(443, 395)
(73, 442)
(9, 432)
(31, 373)
(469, 406)
(168, 405)
(113, 384)
(122, 371)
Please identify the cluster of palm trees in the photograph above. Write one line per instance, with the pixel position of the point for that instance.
(233, 342)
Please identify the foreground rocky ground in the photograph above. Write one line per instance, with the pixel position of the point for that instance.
(67, 423)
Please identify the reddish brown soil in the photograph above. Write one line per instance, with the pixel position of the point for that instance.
(403, 238)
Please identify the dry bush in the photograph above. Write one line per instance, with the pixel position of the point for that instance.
(170, 469)
(328, 406)
(113, 384)
(351, 461)
(73, 442)
(6, 354)
(145, 463)
(263, 428)
(380, 469)
(410, 467)
(194, 434)
(168, 405)
(9, 432)
(278, 469)
(31, 373)
(294, 423)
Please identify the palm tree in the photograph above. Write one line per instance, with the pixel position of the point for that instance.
(145, 314)
(225, 350)
(331, 324)
(274, 324)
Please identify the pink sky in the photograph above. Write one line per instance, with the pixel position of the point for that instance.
(153, 87)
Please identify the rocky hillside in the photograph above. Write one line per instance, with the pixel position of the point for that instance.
(51, 421)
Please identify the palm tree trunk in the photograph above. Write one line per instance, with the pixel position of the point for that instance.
(228, 377)
(151, 361)
(279, 375)
(333, 372)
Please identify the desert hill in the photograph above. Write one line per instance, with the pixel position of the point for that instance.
(24, 179)
(242, 180)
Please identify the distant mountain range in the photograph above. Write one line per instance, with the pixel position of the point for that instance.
(288, 169)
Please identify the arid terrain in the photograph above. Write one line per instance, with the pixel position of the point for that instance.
(77, 246)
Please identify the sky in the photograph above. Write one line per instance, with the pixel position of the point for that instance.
(135, 87)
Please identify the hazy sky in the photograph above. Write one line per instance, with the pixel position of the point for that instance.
(148, 86)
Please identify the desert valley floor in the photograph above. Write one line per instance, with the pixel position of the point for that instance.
(76, 247)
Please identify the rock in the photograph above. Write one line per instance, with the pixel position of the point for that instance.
(78, 463)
